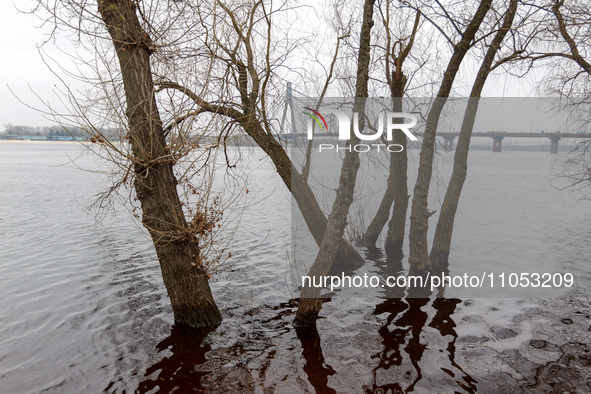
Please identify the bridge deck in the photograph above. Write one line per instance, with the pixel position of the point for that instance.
(491, 134)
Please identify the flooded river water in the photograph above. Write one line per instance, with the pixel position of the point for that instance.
(84, 308)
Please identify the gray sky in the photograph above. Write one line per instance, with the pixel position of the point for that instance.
(23, 71)
(21, 67)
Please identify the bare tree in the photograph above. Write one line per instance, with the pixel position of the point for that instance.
(442, 241)
(242, 57)
(419, 256)
(396, 185)
(176, 240)
(572, 22)
(161, 152)
(308, 157)
(310, 302)
(184, 66)
(555, 43)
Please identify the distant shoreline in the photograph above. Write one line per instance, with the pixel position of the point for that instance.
(41, 142)
(51, 142)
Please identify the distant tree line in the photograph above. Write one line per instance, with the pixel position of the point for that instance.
(55, 131)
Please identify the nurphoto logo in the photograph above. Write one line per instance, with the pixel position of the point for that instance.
(389, 121)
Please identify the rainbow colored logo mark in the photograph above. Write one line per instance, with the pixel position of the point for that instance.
(315, 115)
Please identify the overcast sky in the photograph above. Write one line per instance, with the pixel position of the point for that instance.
(21, 66)
(23, 71)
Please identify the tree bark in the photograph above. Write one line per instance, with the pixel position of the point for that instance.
(419, 219)
(302, 193)
(310, 302)
(396, 192)
(383, 213)
(295, 182)
(397, 183)
(397, 225)
(574, 49)
(155, 183)
(443, 233)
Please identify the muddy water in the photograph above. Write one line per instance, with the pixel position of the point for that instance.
(84, 309)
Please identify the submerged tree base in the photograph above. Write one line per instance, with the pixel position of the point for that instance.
(307, 313)
(197, 317)
(439, 258)
(188, 290)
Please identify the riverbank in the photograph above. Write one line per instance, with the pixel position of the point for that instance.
(43, 142)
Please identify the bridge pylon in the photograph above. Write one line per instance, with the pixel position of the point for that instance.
(497, 143)
(554, 144)
(448, 143)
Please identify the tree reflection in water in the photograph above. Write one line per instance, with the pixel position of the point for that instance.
(417, 337)
(408, 313)
(315, 367)
(178, 370)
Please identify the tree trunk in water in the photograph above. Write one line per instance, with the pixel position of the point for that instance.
(397, 225)
(302, 193)
(177, 248)
(419, 219)
(443, 232)
(396, 188)
(397, 82)
(310, 302)
(383, 213)
(397, 178)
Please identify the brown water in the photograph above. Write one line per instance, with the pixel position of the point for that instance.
(84, 308)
